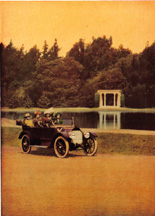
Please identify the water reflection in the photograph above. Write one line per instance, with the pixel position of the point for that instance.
(83, 119)
(109, 120)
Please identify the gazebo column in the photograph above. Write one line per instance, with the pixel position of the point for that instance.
(119, 100)
(104, 99)
(101, 100)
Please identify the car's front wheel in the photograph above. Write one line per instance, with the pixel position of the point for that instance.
(90, 146)
(25, 144)
(61, 147)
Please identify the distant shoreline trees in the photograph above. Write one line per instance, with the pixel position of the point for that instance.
(42, 78)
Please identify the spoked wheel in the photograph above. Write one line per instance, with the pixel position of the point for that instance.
(61, 147)
(25, 143)
(90, 146)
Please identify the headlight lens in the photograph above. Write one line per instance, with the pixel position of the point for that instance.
(86, 134)
(71, 135)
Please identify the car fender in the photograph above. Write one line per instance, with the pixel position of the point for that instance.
(65, 134)
(57, 135)
(23, 133)
(93, 134)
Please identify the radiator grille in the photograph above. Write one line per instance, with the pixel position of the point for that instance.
(78, 138)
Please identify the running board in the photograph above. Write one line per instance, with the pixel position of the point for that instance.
(38, 146)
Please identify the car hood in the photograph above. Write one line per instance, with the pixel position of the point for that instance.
(65, 130)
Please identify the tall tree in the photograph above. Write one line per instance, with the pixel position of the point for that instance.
(60, 79)
(78, 51)
(11, 64)
(45, 50)
(54, 51)
(29, 62)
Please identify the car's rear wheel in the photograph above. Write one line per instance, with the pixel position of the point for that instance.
(90, 146)
(61, 147)
(25, 144)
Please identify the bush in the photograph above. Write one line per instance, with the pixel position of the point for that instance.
(96, 99)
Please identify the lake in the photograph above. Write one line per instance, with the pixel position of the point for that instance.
(103, 119)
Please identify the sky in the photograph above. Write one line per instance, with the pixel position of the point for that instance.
(129, 23)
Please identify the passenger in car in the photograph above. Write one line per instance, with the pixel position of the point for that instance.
(58, 120)
(46, 119)
(27, 120)
(37, 121)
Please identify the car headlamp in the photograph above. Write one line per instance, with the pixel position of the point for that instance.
(86, 134)
(71, 135)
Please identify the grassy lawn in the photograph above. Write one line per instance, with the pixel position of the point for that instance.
(10, 136)
(108, 143)
(126, 144)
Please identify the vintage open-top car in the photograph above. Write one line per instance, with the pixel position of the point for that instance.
(62, 138)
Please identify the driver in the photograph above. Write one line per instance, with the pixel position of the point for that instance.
(27, 120)
(47, 120)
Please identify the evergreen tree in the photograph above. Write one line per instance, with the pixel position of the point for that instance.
(29, 62)
(54, 51)
(28, 102)
(45, 50)
(78, 51)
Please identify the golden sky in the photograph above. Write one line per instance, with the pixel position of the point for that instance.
(129, 23)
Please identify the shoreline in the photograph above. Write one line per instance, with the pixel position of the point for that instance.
(80, 109)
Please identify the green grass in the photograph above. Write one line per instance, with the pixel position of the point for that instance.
(126, 144)
(108, 143)
(10, 136)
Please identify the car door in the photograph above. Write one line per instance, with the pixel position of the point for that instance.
(43, 136)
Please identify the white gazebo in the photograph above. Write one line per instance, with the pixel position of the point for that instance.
(109, 98)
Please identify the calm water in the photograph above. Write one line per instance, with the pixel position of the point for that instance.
(103, 119)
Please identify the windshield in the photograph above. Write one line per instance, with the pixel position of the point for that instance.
(64, 121)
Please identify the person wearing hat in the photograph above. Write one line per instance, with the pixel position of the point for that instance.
(27, 120)
(46, 120)
(58, 120)
(37, 119)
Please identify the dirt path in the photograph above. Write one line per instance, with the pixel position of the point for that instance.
(39, 184)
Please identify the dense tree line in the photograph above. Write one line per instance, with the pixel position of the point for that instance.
(37, 78)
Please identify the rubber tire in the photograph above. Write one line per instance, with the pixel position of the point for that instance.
(66, 146)
(28, 150)
(95, 149)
